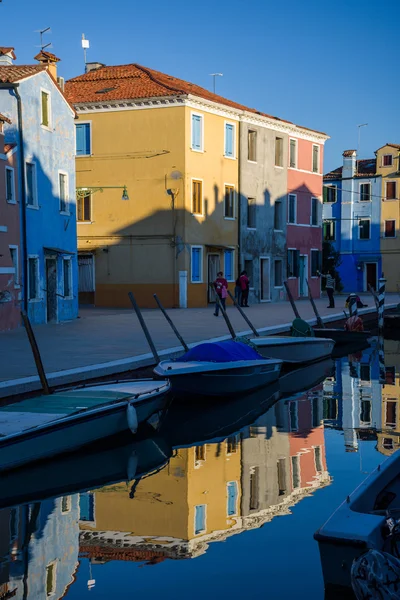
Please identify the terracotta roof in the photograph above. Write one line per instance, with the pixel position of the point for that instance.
(349, 152)
(44, 55)
(122, 554)
(128, 82)
(4, 119)
(14, 73)
(394, 145)
(8, 147)
(8, 50)
(366, 167)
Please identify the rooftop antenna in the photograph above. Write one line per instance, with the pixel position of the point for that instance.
(214, 75)
(85, 46)
(358, 143)
(42, 32)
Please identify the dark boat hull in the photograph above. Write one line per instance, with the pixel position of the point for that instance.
(340, 336)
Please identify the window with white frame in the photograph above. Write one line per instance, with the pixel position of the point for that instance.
(230, 140)
(10, 187)
(83, 139)
(45, 108)
(31, 188)
(292, 208)
(84, 208)
(51, 579)
(293, 154)
(315, 158)
(33, 278)
(364, 228)
(252, 145)
(229, 205)
(279, 152)
(329, 230)
(278, 273)
(197, 264)
(318, 458)
(330, 193)
(63, 191)
(365, 192)
(66, 504)
(314, 211)
(316, 260)
(293, 262)
(232, 496)
(67, 275)
(200, 518)
(15, 263)
(251, 213)
(197, 132)
(296, 471)
(391, 190)
(387, 160)
(390, 228)
(229, 264)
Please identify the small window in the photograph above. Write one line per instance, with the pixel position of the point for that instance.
(315, 262)
(33, 278)
(387, 443)
(15, 262)
(197, 197)
(252, 145)
(197, 132)
(45, 109)
(364, 229)
(86, 507)
(314, 211)
(278, 221)
(197, 265)
(295, 472)
(365, 192)
(84, 208)
(229, 265)
(51, 579)
(229, 140)
(387, 160)
(390, 375)
(232, 495)
(251, 213)
(390, 229)
(329, 231)
(293, 413)
(83, 141)
(391, 414)
(254, 487)
(292, 208)
(279, 152)
(330, 193)
(229, 205)
(278, 270)
(365, 373)
(63, 190)
(315, 159)
(316, 418)
(281, 467)
(293, 154)
(31, 196)
(67, 270)
(232, 444)
(200, 453)
(199, 519)
(66, 504)
(292, 263)
(391, 190)
(365, 412)
(10, 189)
(318, 459)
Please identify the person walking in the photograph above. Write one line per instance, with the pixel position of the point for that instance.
(221, 289)
(238, 291)
(244, 283)
(330, 286)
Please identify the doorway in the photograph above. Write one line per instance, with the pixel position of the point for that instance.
(265, 280)
(370, 276)
(213, 268)
(51, 289)
(303, 274)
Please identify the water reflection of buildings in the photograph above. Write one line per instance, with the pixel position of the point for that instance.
(389, 438)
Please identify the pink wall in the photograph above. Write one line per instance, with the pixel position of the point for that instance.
(9, 220)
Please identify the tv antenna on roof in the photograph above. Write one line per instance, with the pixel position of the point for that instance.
(42, 32)
(85, 46)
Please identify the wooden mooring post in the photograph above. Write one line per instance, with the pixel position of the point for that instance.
(291, 300)
(169, 321)
(381, 304)
(245, 317)
(144, 326)
(36, 353)
(320, 322)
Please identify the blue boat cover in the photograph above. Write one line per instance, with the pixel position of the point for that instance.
(227, 351)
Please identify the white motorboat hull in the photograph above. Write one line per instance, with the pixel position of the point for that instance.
(294, 350)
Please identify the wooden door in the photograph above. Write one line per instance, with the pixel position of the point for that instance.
(371, 275)
(51, 289)
(213, 268)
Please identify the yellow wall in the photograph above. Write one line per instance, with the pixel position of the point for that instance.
(390, 209)
(391, 393)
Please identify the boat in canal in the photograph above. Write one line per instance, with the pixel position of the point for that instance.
(306, 377)
(343, 337)
(45, 426)
(219, 369)
(294, 350)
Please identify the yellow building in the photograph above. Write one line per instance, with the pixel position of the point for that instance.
(387, 165)
(174, 147)
(389, 437)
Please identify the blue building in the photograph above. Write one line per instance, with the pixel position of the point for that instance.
(42, 124)
(351, 218)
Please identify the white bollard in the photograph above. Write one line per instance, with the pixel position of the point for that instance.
(381, 303)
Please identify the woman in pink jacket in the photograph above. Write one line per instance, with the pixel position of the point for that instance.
(244, 283)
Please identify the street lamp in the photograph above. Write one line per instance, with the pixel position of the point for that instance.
(81, 192)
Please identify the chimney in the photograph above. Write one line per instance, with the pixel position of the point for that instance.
(93, 66)
(349, 163)
(49, 60)
(7, 55)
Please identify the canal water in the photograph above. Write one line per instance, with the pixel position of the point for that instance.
(211, 501)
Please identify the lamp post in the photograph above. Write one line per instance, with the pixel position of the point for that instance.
(81, 192)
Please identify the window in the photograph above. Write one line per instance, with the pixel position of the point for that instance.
(33, 278)
(229, 266)
(293, 154)
(232, 494)
(294, 424)
(232, 444)
(387, 160)
(330, 408)
(365, 372)
(292, 208)
(278, 223)
(65, 504)
(278, 270)
(63, 190)
(316, 419)
(330, 193)
(197, 197)
(83, 141)
(390, 229)
(315, 159)
(45, 109)
(365, 192)
(197, 133)
(229, 207)
(314, 211)
(86, 507)
(67, 270)
(293, 263)
(295, 472)
(51, 579)
(84, 208)
(252, 145)
(31, 196)
(391, 414)
(229, 140)
(315, 262)
(254, 487)
(365, 412)
(279, 152)
(10, 190)
(318, 458)
(197, 264)
(281, 476)
(15, 262)
(391, 190)
(251, 213)
(364, 226)
(390, 375)
(199, 518)
(387, 443)
(329, 231)
(200, 453)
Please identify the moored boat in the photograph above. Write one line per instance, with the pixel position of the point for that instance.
(294, 349)
(341, 336)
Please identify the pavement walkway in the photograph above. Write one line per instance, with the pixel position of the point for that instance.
(109, 341)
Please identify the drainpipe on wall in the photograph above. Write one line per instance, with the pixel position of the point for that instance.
(239, 203)
(14, 87)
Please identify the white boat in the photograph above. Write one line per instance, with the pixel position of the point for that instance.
(360, 524)
(294, 349)
(45, 426)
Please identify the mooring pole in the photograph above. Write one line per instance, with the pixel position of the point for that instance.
(245, 317)
(353, 309)
(381, 304)
(320, 322)
(223, 311)
(168, 318)
(381, 357)
(36, 353)
(291, 300)
(144, 326)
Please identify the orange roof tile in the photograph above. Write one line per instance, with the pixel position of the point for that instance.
(7, 50)
(4, 119)
(44, 55)
(128, 82)
(14, 73)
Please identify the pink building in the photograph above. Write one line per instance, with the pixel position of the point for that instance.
(10, 265)
(304, 219)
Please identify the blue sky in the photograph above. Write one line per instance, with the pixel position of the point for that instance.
(325, 65)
